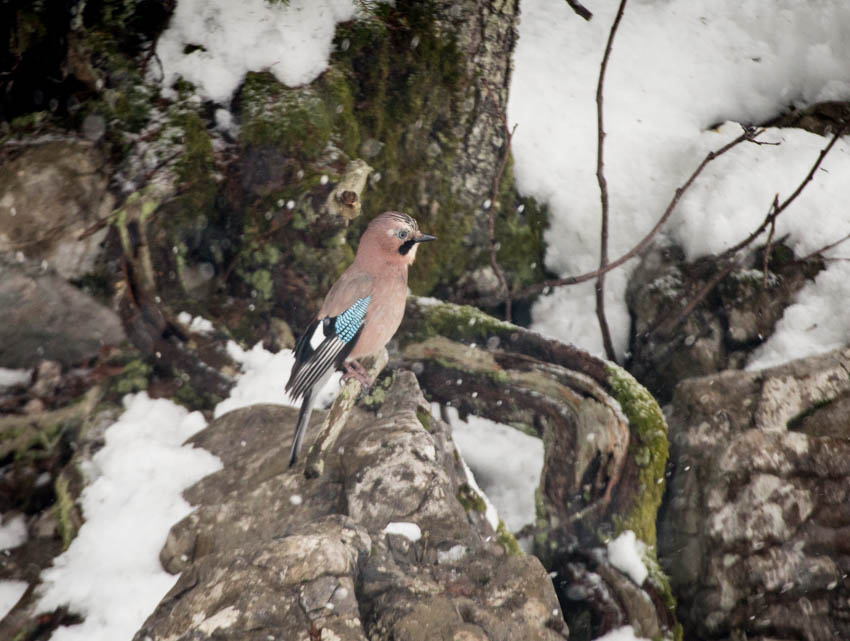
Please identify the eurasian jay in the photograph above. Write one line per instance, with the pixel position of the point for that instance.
(360, 314)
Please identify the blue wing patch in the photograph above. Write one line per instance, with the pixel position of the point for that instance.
(345, 325)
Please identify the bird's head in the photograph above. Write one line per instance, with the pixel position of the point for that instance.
(394, 237)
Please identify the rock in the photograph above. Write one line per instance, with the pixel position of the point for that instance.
(605, 448)
(754, 529)
(737, 314)
(314, 551)
(44, 317)
(50, 193)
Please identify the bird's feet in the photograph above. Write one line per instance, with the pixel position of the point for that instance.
(355, 370)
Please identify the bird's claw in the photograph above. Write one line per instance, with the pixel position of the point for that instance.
(355, 370)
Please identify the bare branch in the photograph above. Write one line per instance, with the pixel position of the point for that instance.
(603, 188)
(748, 135)
(825, 248)
(733, 255)
(778, 209)
(580, 9)
(494, 196)
(769, 246)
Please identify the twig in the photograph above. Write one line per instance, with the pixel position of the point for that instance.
(823, 249)
(494, 264)
(603, 189)
(732, 255)
(749, 135)
(775, 211)
(580, 9)
(769, 245)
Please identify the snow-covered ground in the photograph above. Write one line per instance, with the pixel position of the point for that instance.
(678, 69)
(110, 574)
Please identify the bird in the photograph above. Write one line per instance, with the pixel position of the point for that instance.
(360, 313)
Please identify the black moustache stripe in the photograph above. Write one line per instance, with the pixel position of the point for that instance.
(405, 247)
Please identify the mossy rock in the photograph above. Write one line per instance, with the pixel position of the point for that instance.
(294, 120)
(648, 448)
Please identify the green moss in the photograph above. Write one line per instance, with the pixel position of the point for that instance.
(461, 322)
(295, 120)
(335, 90)
(507, 540)
(261, 281)
(403, 92)
(63, 511)
(520, 234)
(194, 399)
(195, 168)
(28, 31)
(424, 417)
(133, 377)
(470, 499)
(649, 449)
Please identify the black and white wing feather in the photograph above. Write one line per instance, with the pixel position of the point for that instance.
(324, 347)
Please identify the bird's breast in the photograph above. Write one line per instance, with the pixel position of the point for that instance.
(383, 317)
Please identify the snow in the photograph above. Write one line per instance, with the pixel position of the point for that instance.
(410, 531)
(505, 462)
(263, 377)
(10, 593)
(626, 554)
(625, 633)
(11, 377)
(214, 43)
(678, 69)
(13, 531)
(197, 324)
(110, 574)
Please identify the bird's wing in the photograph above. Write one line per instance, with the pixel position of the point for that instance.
(330, 338)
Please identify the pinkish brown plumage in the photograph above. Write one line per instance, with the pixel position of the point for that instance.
(360, 314)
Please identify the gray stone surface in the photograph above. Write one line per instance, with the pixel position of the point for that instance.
(44, 317)
(271, 554)
(755, 534)
(49, 193)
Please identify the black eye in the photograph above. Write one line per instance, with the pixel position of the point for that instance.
(402, 234)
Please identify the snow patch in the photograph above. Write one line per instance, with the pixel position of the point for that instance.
(111, 574)
(625, 633)
(410, 531)
(677, 69)
(13, 532)
(505, 462)
(10, 593)
(626, 554)
(214, 43)
(10, 377)
(263, 377)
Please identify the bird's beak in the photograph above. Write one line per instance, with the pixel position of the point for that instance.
(424, 238)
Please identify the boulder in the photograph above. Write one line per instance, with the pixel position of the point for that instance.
(51, 192)
(271, 553)
(755, 526)
(42, 316)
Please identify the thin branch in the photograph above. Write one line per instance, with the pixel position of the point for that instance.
(732, 256)
(825, 248)
(769, 246)
(494, 196)
(580, 9)
(603, 189)
(749, 135)
(775, 211)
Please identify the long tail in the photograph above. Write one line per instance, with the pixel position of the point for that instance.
(301, 426)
